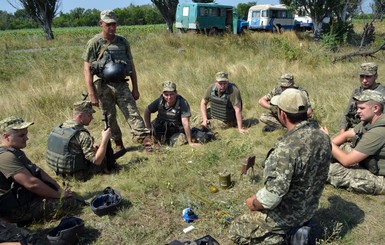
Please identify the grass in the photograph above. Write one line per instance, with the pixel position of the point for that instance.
(40, 80)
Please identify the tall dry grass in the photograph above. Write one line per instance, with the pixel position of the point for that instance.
(41, 84)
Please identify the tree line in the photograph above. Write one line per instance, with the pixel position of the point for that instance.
(131, 15)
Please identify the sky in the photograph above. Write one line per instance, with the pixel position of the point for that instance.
(68, 5)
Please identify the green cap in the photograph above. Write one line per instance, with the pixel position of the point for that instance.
(291, 100)
(286, 80)
(370, 95)
(108, 16)
(168, 86)
(13, 123)
(368, 69)
(83, 106)
(222, 77)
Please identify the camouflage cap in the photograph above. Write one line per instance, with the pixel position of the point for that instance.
(291, 100)
(83, 106)
(370, 95)
(168, 86)
(286, 80)
(13, 123)
(368, 69)
(108, 16)
(222, 77)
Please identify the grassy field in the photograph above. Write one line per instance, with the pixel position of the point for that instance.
(40, 80)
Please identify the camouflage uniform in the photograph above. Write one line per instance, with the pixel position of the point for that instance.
(116, 93)
(350, 117)
(371, 141)
(9, 232)
(271, 118)
(294, 175)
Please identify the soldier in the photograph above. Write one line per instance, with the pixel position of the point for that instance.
(368, 76)
(362, 168)
(27, 192)
(72, 151)
(226, 105)
(10, 234)
(271, 118)
(108, 57)
(295, 172)
(172, 124)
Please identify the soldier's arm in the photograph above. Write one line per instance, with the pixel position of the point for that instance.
(204, 112)
(147, 118)
(90, 84)
(134, 81)
(238, 116)
(264, 102)
(187, 131)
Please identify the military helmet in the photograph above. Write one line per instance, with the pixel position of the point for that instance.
(66, 233)
(106, 203)
(114, 72)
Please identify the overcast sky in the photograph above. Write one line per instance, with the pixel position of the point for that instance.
(68, 5)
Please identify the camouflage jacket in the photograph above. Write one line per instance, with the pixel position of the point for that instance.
(295, 173)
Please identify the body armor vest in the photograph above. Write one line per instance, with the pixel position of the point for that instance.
(221, 107)
(375, 163)
(118, 52)
(59, 158)
(170, 115)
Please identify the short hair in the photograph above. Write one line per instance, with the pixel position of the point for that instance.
(373, 103)
(296, 117)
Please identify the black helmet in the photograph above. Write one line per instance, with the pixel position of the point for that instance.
(66, 233)
(106, 203)
(114, 72)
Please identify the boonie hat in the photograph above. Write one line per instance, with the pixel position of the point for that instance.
(222, 77)
(83, 106)
(168, 86)
(13, 123)
(286, 80)
(108, 16)
(368, 69)
(291, 100)
(370, 95)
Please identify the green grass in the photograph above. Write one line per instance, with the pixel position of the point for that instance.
(40, 80)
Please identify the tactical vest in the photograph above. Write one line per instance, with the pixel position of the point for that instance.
(171, 115)
(221, 107)
(59, 158)
(375, 163)
(118, 51)
(17, 196)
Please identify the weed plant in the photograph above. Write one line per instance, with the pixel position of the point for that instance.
(40, 80)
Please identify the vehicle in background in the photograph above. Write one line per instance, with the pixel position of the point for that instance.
(209, 18)
(270, 17)
(302, 21)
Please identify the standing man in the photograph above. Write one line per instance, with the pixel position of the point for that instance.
(72, 151)
(368, 76)
(295, 172)
(27, 193)
(271, 118)
(362, 168)
(172, 124)
(108, 57)
(226, 105)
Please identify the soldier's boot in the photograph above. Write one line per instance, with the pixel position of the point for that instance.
(120, 150)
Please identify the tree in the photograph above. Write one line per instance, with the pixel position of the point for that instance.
(167, 9)
(243, 9)
(42, 12)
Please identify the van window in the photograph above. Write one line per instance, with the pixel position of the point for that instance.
(185, 11)
(256, 14)
(264, 13)
(213, 12)
(203, 11)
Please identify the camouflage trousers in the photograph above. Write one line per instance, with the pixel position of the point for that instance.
(271, 120)
(252, 228)
(213, 123)
(356, 179)
(118, 94)
(43, 208)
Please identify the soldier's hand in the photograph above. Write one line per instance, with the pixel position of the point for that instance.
(324, 129)
(250, 204)
(94, 100)
(135, 94)
(106, 134)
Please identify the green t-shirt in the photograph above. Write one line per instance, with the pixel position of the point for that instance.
(10, 165)
(372, 141)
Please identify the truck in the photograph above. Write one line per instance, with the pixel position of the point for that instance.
(303, 23)
(209, 18)
(270, 17)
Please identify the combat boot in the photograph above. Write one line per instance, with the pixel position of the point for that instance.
(120, 150)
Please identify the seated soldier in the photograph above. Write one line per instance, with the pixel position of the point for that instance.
(172, 124)
(362, 168)
(226, 105)
(72, 151)
(27, 192)
(295, 172)
(368, 76)
(271, 118)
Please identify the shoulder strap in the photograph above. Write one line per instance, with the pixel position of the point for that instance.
(104, 48)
